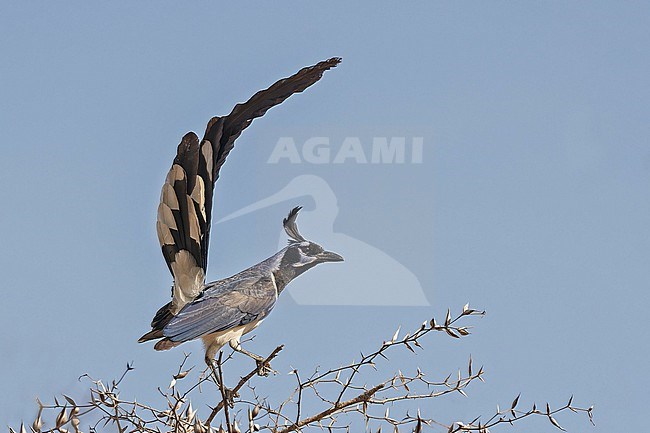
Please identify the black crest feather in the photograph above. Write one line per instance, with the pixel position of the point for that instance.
(291, 227)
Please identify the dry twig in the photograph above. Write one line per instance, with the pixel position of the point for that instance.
(332, 399)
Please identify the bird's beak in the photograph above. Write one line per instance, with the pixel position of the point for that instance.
(329, 256)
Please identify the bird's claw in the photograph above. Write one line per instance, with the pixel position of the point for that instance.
(264, 368)
(230, 396)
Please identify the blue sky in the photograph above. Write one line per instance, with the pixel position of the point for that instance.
(531, 200)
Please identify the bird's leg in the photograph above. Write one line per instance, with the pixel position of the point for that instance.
(230, 395)
(263, 367)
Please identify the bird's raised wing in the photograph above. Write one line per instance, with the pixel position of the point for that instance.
(185, 210)
(238, 303)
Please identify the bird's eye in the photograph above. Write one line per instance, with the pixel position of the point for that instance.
(311, 249)
(315, 249)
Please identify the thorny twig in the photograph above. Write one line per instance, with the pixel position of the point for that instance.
(327, 399)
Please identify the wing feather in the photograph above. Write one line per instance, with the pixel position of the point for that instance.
(240, 303)
(177, 226)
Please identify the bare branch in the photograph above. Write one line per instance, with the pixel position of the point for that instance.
(333, 399)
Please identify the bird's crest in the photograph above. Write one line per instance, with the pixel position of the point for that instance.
(291, 227)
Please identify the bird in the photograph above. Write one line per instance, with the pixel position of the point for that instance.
(220, 312)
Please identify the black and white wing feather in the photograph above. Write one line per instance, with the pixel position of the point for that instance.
(185, 210)
(182, 218)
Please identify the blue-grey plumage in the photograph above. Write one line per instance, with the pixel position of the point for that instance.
(222, 311)
(222, 307)
(229, 308)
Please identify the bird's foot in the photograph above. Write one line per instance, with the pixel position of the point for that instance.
(230, 396)
(264, 368)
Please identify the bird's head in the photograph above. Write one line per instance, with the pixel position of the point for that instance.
(302, 254)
